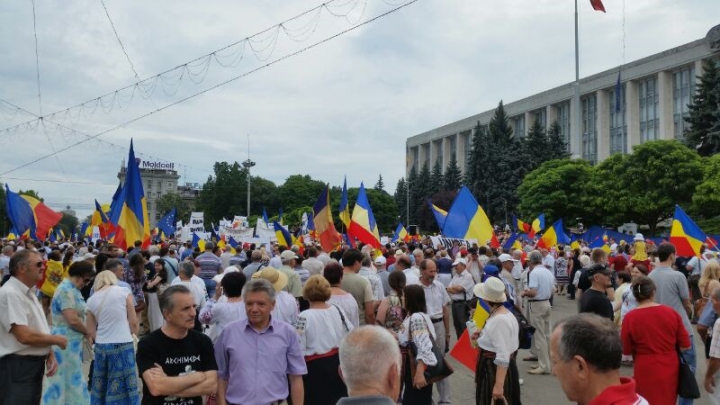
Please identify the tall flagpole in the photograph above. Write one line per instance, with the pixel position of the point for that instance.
(577, 149)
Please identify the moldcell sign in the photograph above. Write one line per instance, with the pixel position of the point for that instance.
(144, 164)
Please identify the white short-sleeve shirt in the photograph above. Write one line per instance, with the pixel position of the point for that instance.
(20, 306)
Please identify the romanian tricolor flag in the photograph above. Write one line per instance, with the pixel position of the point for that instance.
(537, 225)
(265, 218)
(28, 214)
(133, 223)
(198, 242)
(463, 350)
(553, 236)
(283, 236)
(102, 221)
(344, 206)
(322, 218)
(467, 220)
(601, 243)
(687, 237)
(400, 234)
(512, 242)
(363, 225)
(439, 213)
(597, 5)
(521, 226)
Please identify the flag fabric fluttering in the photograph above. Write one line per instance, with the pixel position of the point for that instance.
(280, 221)
(521, 226)
(363, 225)
(324, 227)
(166, 225)
(537, 225)
(283, 236)
(265, 218)
(233, 243)
(463, 351)
(439, 213)
(512, 242)
(467, 220)
(133, 223)
(553, 236)
(400, 234)
(198, 242)
(687, 237)
(601, 243)
(102, 221)
(28, 214)
(344, 206)
(597, 5)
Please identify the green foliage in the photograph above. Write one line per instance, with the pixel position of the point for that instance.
(401, 199)
(383, 206)
(556, 189)
(426, 218)
(704, 119)
(68, 223)
(225, 194)
(557, 147)
(31, 193)
(412, 183)
(437, 180)
(499, 129)
(380, 185)
(299, 191)
(453, 176)
(706, 200)
(173, 200)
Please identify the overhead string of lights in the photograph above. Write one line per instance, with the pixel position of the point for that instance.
(262, 44)
(216, 86)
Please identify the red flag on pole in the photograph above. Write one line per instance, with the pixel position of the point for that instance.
(597, 5)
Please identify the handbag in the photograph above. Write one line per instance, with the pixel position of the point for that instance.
(525, 330)
(435, 373)
(687, 384)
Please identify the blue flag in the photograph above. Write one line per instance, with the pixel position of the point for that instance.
(167, 224)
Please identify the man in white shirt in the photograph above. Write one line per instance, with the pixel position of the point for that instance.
(369, 275)
(539, 291)
(187, 270)
(312, 264)
(460, 290)
(25, 339)
(438, 308)
(7, 252)
(548, 260)
(403, 264)
(194, 279)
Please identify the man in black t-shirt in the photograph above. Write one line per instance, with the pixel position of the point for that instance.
(594, 300)
(177, 364)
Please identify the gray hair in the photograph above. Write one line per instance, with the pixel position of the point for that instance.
(535, 257)
(365, 351)
(187, 269)
(7, 249)
(19, 259)
(256, 255)
(153, 250)
(594, 338)
(259, 285)
(417, 252)
(366, 261)
(166, 301)
(112, 264)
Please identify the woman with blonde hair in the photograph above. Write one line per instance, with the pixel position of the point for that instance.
(111, 322)
(321, 328)
(709, 281)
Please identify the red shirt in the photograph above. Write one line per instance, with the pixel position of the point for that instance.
(623, 394)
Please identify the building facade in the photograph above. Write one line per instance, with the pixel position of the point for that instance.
(158, 179)
(655, 93)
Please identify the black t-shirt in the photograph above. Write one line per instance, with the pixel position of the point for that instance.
(192, 353)
(596, 302)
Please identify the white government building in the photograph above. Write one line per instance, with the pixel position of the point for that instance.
(656, 91)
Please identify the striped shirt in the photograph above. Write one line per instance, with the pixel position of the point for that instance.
(210, 265)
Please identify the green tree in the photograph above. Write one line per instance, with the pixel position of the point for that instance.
(499, 128)
(31, 193)
(476, 174)
(453, 175)
(422, 189)
(437, 181)
(411, 183)
(706, 199)
(426, 218)
(263, 194)
(380, 185)
(556, 189)
(557, 147)
(536, 147)
(383, 206)
(299, 191)
(68, 223)
(173, 200)
(705, 112)
(225, 194)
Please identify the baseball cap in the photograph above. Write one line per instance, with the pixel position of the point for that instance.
(598, 269)
(380, 260)
(288, 255)
(506, 258)
(459, 260)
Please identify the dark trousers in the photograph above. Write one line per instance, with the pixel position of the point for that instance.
(21, 379)
(459, 316)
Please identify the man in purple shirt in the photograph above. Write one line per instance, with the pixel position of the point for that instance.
(257, 356)
(210, 266)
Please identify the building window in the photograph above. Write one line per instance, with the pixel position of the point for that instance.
(426, 154)
(170, 184)
(649, 121)
(563, 120)
(618, 124)
(589, 135)
(683, 91)
(467, 140)
(541, 117)
(519, 126)
(415, 153)
(439, 148)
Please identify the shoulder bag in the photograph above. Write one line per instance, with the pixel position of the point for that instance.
(435, 373)
(687, 385)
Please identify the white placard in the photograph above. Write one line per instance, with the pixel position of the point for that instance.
(197, 222)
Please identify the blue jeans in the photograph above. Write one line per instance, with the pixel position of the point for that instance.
(689, 357)
(210, 286)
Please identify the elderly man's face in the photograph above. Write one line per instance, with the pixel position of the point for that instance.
(566, 372)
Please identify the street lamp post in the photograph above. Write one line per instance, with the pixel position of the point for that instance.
(248, 164)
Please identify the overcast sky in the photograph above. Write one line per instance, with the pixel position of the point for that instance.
(345, 107)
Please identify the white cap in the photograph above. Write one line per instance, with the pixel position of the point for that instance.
(459, 260)
(380, 260)
(506, 258)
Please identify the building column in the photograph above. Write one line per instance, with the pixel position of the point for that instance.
(698, 70)
(421, 157)
(632, 116)
(551, 116)
(461, 152)
(575, 136)
(602, 124)
(529, 121)
(665, 105)
(446, 150)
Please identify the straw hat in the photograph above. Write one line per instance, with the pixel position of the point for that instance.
(278, 279)
(492, 290)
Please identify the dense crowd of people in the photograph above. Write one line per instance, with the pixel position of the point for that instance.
(171, 324)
